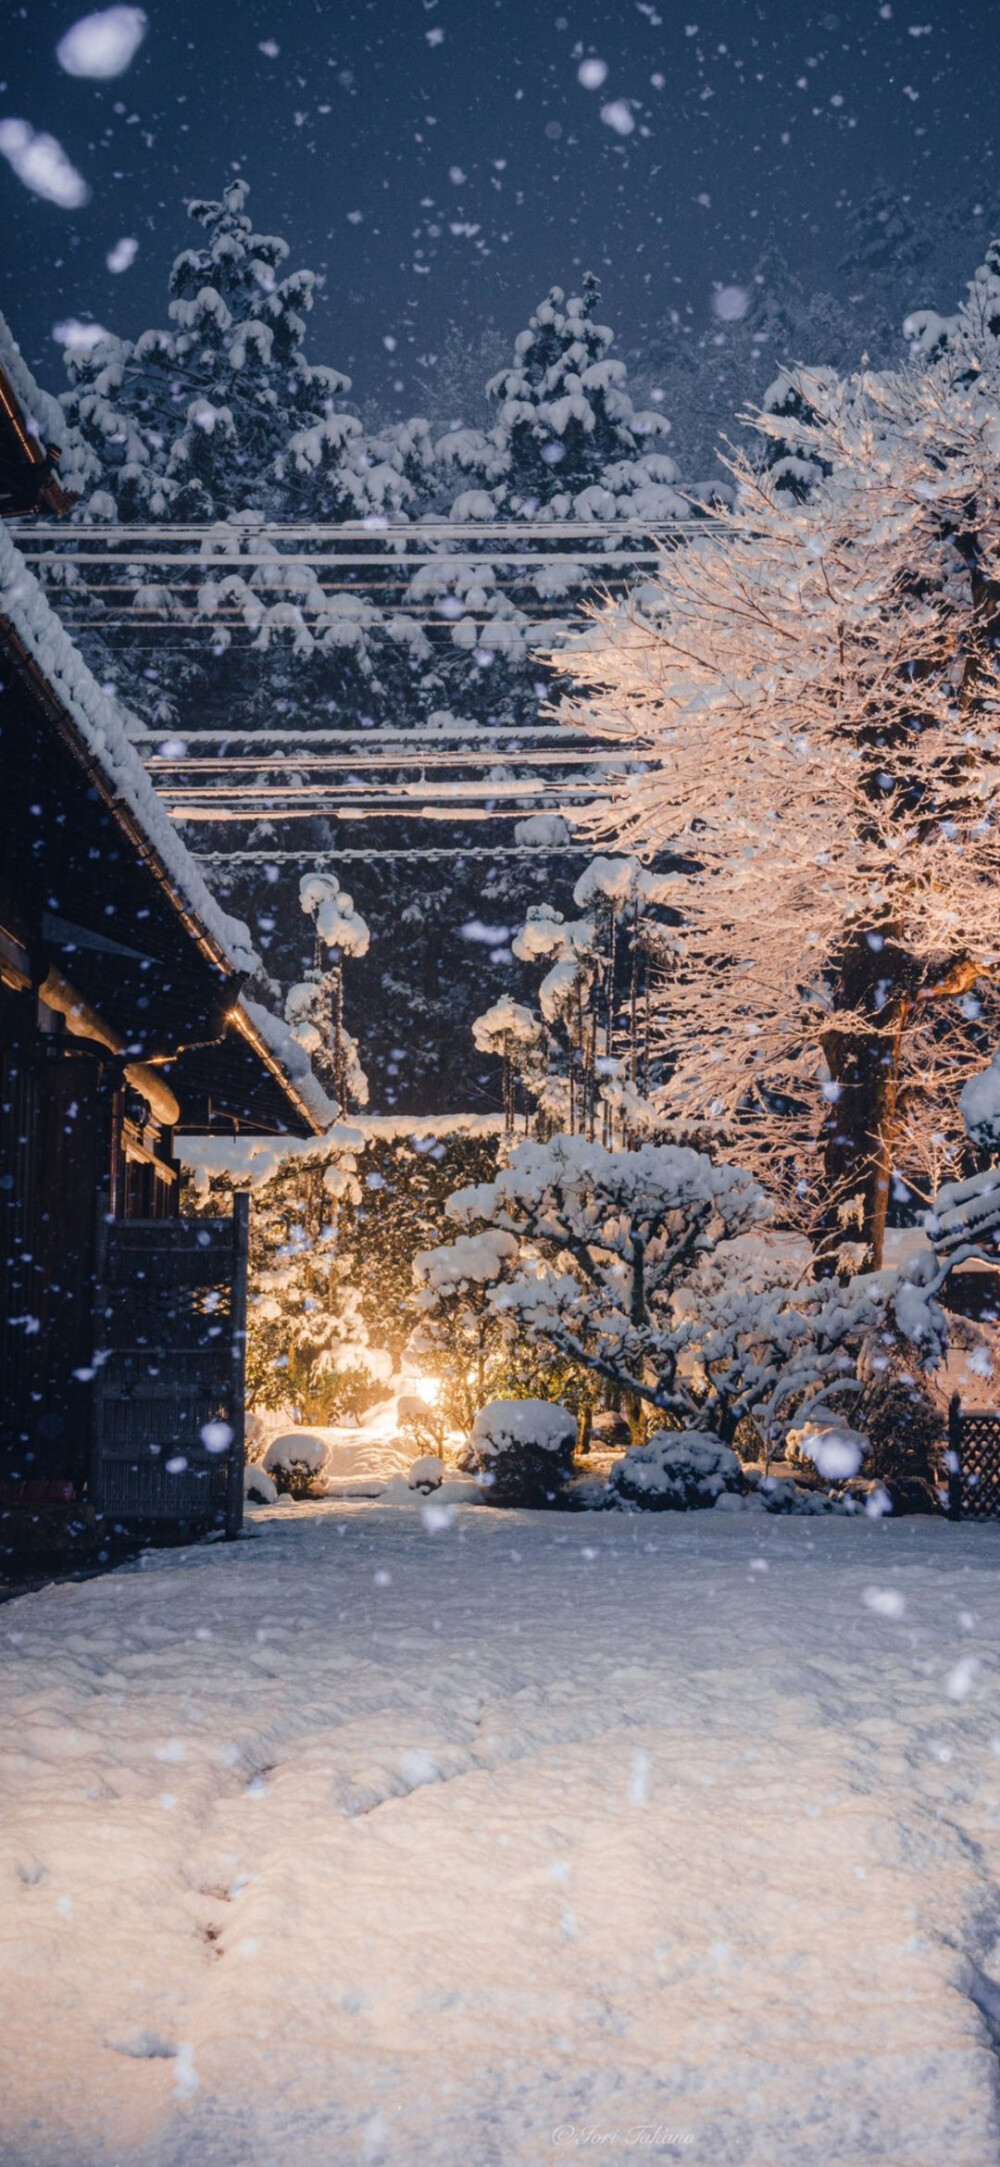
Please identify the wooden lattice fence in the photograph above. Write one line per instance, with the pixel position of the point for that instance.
(973, 1463)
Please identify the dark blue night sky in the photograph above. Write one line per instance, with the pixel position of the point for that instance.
(440, 160)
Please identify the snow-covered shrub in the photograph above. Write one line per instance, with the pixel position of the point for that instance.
(295, 1463)
(259, 1488)
(522, 1449)
(426, 1473)
(782, 1498)
(677, 1471)
(764, 1346)
(608, 1240)
(426, 1423)
(830, 1445)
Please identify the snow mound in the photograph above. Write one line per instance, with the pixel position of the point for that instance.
(677, 1471)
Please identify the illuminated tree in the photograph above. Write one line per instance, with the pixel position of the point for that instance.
(813, 689)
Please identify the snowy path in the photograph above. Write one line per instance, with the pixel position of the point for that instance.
(645, 1827)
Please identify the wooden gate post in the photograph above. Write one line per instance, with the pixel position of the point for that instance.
(953, 1459)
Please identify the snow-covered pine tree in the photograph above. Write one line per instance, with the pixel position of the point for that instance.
(567, 441)
(223, 413)
(222, 419)
(815, 687)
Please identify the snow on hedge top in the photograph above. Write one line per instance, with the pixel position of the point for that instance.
(102, 726)
(504, 1425)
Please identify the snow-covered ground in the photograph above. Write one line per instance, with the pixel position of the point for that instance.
(376, 1839)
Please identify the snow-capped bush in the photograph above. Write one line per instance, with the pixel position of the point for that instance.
(523, 1450)
(677, 1471)
(782, 1498)
(258, 1486)
(296, 1462)
(835, 1449)
(608, 1239)
(426, 1473)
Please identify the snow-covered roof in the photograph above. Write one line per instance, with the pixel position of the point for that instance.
(43, 413)
(99, 723)
(283, 1054)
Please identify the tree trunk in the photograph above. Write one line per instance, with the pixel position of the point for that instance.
(638, 1315)
(864, 1076)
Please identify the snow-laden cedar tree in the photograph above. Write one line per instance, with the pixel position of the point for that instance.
(582, 1065)
(314, 1008)
(222, 413)
(221, 418)
(813, 686)
(608, 1239)
(566, 441)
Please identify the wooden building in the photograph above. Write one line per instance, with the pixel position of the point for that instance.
(124, 1019)
(31, 432)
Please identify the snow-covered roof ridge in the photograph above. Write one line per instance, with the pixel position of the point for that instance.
(292, 1059)
(101, 724)
(41, 411)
